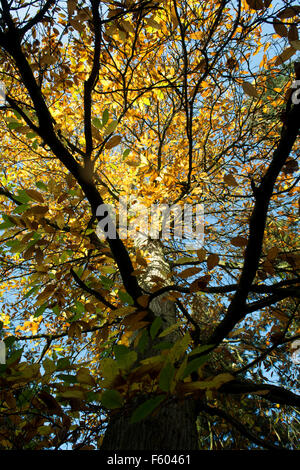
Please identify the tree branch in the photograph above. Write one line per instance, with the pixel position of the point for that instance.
(91, 291)
(273, 393)
(236, 309)
(212, 411)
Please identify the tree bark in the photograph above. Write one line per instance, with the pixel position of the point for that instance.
(172, 427)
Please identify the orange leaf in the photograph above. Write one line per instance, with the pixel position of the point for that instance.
(113, 142)
(255, 4)
(239, 241)
(212, 261)
(35, 195)
(201, 254)
(285, 55)
(250, 90)
(189, 272)
(280, 28)
(200, 283)
(230, 180)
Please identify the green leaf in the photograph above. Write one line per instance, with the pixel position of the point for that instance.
(127, 360)
(105, 117)
(143, 342)
(155, 327)
(68, 378)
(18, 115)
(23, 197)
(163, 345)
(63, 363)
(20, 209)
(106, 282)
(111, 127)
(194, 365)
(49, 365)
(6, 225)
(97, 123)
(146, 408)
(15, 246)
(201, 349)
(9, 341)
(14, 125)
(31, 291)
(41, 185)
(40, 310)
(126, 153)
(111, 399)
(125, 297)
(120, 350)
(79, 307)
(15, 357)
(56, 309)
(165, 377)
(93, 396)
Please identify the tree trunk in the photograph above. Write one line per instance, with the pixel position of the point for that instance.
(172, 427)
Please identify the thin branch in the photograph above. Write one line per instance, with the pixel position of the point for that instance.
(91, 291)
(212, 411)
(236, 309)
(37, 18)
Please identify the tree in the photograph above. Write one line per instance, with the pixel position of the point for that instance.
(149, 342)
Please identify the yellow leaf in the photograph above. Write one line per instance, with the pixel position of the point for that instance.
(133, 163)
(60, 220)
(123, 311)
(154, 24)
(109, 370)
(214, 384)
(170, 329)
(179, 348)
